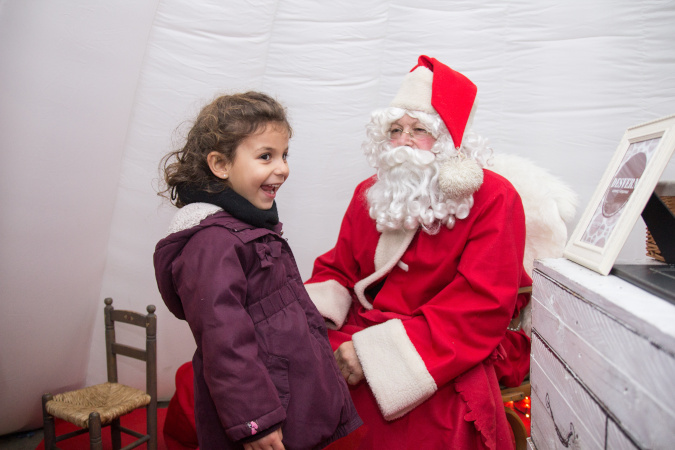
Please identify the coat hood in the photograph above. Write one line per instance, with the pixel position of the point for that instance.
(187, 221)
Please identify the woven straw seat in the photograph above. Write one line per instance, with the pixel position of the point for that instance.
(93, 407)
(109, 400)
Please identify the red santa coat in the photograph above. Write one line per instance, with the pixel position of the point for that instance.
(428, 340)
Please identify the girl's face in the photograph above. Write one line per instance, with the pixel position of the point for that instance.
(259, 167)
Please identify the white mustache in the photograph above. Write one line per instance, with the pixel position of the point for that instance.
(399, 155)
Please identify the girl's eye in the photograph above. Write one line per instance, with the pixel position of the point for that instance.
(285, 156)
(265, 156)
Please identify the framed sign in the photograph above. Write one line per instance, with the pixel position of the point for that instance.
(625, 187)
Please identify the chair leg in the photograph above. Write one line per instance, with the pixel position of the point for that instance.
(116, 434)
(48, 424)
(95, 441)
(152, 425)
(518, 427)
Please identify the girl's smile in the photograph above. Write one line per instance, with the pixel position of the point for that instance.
(271, 189)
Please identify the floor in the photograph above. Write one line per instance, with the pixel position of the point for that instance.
(26, 440)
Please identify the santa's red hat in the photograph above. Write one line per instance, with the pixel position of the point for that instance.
(433, 87)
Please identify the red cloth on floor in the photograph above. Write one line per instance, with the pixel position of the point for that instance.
(179, 425)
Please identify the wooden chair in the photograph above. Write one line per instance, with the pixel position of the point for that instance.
(92, 407)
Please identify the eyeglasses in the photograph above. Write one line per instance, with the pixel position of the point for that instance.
(416, 133)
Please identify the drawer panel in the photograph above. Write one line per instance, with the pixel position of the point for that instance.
(630, 376)
(563, 413)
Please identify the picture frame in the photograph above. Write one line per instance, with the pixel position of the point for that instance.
(623, 191)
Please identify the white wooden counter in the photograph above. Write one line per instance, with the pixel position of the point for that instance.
(603, 362)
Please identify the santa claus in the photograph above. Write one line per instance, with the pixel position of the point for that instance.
(424, 279)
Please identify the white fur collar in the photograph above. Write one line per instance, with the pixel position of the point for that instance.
(190, 215)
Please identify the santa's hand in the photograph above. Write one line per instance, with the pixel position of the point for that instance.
(349, 364)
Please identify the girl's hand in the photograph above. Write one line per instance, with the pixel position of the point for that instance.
(270, 442)
(349, 363)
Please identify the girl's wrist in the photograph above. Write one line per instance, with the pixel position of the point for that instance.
(261, 434)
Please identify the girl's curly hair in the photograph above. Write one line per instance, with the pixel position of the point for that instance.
(220, 126)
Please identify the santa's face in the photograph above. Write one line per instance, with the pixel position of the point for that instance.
(408, 158)
(408, 131)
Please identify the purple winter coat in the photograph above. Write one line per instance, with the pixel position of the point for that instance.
(263, 356)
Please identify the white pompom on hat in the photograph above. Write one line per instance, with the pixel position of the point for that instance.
(460, 177)
(433, 87)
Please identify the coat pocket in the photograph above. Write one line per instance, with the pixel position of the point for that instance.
(277, 366)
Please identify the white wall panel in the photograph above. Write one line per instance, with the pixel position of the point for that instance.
(68, 74)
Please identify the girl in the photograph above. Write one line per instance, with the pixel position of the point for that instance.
(264, 372)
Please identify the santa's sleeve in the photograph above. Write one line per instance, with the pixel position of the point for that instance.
(406, 360)
(331, 285)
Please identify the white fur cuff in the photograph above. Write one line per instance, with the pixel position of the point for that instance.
(394, 370)
(332, 300)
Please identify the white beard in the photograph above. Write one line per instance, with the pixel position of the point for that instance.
(407, 194)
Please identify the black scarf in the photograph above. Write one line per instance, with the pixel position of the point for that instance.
(233, 203)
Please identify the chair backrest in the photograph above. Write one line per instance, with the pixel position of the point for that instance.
(148, 354)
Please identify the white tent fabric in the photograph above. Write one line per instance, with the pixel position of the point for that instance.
(93, 94)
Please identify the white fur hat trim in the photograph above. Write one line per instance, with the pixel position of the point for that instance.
(415, 91)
